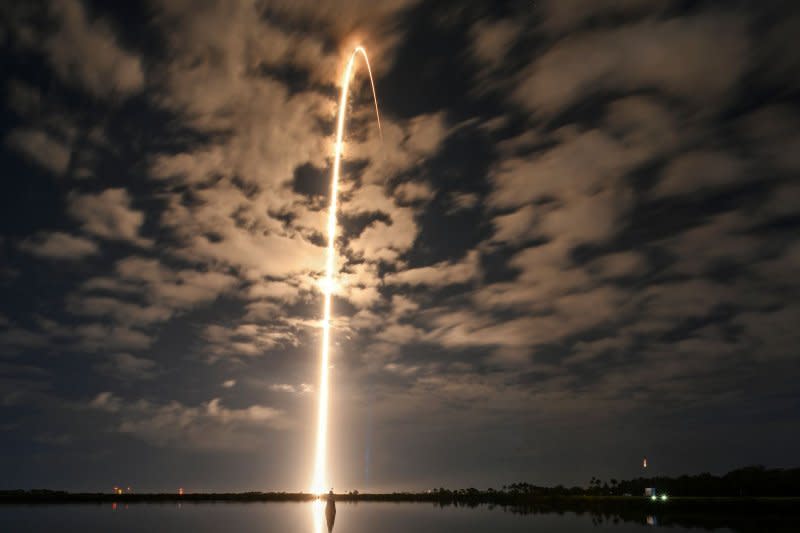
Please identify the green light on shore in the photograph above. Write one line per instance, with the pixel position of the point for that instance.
(663, 497)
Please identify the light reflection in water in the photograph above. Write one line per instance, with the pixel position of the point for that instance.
(323, 515)
(318, 516)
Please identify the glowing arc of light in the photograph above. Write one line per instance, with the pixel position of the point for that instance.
(320, 458)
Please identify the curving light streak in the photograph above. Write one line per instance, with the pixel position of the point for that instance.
(319, 484)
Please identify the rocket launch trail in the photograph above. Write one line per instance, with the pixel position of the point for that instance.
(319, 483)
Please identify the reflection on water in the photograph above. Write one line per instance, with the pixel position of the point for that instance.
(369, 517)
(323, 514)
(330, 512)
(318, 516)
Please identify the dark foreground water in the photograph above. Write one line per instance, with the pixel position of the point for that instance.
(351, 518)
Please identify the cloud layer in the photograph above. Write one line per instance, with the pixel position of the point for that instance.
(587, 224)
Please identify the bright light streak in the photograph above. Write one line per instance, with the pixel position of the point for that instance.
(319, 484)
(318, 516)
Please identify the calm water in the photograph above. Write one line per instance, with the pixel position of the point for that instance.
(300, 517)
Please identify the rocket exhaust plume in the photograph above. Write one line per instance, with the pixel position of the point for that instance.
(319, 483)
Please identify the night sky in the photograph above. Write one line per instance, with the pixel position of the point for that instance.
(577, 244)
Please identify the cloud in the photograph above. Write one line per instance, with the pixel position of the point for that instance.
(696, 58)
(693, 171)
(343, 15)
(119, 310)
(460, 201)
(780, 65)
(230, 206)
(246, 340)
(363, 297)
(648, 127)
(381, 241)
(208, 426)
(275, 290)
(100, 337)
(225, 213)
(413, 192)
(179, 289)
(86, 53)
(106, 401)
(400, 334)
(302, 388)
(562, 15)
(48, 335)
(108, 215)
(774, 334)
(514, 227)
(783, 201)
(222, 225)
(257, 254)
(587, 218)
(772, 132)
(143, 294)
(440, 274)
(574, 191)
(15, 337)
(492, 40)
(128, 366)
(620, 264)
(59, 245)
(585, 276)
(25, 99)
(42, 148)
(577, 189)
(255, 38)
(580, 164)
(465, 329)
(732, 243)
(404, 146)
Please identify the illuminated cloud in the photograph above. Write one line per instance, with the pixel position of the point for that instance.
(492, 40)
(87, 53)
(108, 215)
(59, 245)
(247, 340)
(302, 388)
(462, 200)
(126, 366)
(440, 274)
(40, 147)
(413, 192)
(581, 219)
(208, 426)
(696, 58)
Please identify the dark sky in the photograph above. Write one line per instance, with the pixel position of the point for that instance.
(576, 245)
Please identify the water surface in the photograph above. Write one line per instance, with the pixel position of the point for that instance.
(365, 517)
